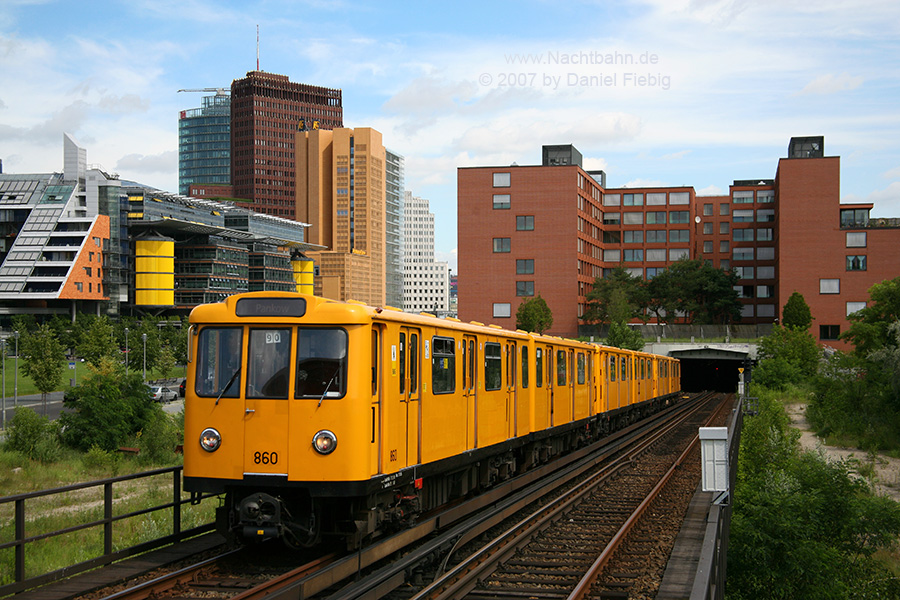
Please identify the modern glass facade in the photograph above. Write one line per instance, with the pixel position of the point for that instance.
(204, 144)
(393, 228)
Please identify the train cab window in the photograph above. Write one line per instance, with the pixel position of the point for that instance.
(321, 363)
(269, 363)
(581, 368)
(561, 367)
(612, 368)
(493, 370)
(524, 366)
(443, 365)
(219, 362)
(538, 367)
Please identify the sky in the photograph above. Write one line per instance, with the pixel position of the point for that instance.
(654, 92)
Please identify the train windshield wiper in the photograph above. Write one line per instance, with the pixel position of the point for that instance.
(327, 387)
(228, 385)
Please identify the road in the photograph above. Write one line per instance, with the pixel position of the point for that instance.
(55, 405)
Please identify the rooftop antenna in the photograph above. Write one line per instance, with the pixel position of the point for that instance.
(257, 46)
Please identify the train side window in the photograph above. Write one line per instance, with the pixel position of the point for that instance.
(549, 367)
(624, 362)
(414, 363)
(465, 363)
(443, 365)
(524, 366)
(538, 367)
(561, 367)
(402, 359)
(375, 356)
(493, 369)
(581, 368)
(219, 362)
(269, 363)
(612, 368)
(643, 371)
(471, 364)
(321, 363)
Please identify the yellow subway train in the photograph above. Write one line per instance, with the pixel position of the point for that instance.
(318, 418)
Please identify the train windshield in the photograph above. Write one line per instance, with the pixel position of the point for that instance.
(219, 362)
(321, 363)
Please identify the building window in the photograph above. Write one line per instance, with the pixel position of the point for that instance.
(679, 198)
(852, 307)
(765, 310)
(656, 218)
(747, 310)
(654, 271)
(742, 254)
(633, 218)
(707, 210)
(524, 288)
(743, 216)
(501, 245)
(656, 255)
(707, 247)
(679, 235)
(829, 286)
(524, 266)
(612, 237)
(765, 273)
(612, 200)
(744, 272)
(501, 179)
(634, 256)
(724, 264)
(858, 217)
(656, 236)
(634, 237)
(525, 223)
(611, 218)
(723, 228)
(765, 215)
(724, 209)
(742, 197)
(632, 199)
(611, 256)
(764, 196)
(502, 310)
(707, 228)
(765, 291)
(856, 262)
(856, 239)
(742, 235)
(765, 253)
(656, 199)
(829, 332)
(678, 254)
(765, 235)
(501, 201)
(679, 216)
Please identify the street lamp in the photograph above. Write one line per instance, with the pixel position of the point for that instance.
(16, 384)
(126, 352)
(144, 337)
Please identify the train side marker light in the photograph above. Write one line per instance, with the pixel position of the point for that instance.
(324, 442)
(418, 483)
(210, 439)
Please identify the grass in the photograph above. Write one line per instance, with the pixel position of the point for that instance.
(52, 513)
(26, 385)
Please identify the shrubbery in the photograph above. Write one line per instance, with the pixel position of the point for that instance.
(33, 436)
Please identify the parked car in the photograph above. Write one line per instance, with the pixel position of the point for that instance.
(181, 388)
(163, 394)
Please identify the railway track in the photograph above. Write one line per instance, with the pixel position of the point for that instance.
(393, 565)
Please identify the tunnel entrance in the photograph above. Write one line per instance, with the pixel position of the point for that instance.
(711, 369)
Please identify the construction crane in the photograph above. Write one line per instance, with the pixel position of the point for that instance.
(219, 91)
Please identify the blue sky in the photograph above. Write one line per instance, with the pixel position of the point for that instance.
(714, 91)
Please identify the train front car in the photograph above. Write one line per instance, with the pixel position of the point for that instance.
(278, 414)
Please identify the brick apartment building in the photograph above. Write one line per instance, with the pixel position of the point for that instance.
(552, 229)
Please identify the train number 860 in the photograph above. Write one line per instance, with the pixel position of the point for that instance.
(265, 458)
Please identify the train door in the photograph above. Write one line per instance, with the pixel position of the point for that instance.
(625, 381)
(541, 407)
(551, 384)
(470, 387)
(410, 385)
(639, 379)
(512, 412)
(266, 407)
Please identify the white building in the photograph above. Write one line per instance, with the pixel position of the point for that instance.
(426, 283)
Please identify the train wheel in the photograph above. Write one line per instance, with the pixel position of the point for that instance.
(303, 534)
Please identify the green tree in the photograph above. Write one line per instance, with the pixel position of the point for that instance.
(43, 360)
(620, 334)
(703, 293)
(534, 315)
(165, 362)
(796, 313)
(98, 341)
(600, 296)
(32, 435)
(869, 326)
(107, 409)
(786, 356)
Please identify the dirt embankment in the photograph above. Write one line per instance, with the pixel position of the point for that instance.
(884, 470)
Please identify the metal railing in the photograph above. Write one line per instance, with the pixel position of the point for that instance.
(709, 581)
(21, 541)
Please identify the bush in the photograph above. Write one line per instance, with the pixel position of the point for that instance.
(98, 459)
(31, 435)
(157, 440)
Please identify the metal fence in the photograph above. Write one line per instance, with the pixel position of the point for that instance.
(684, 332)
(21, 541)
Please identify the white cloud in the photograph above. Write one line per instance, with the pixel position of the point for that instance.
(892, 174)
(645, 183)
(137, 165)
(711, 190)
(831, 84)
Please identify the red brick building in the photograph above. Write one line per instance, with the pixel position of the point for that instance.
(552, 229)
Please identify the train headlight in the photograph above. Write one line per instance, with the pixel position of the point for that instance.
(324, 442)
(210, 439)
